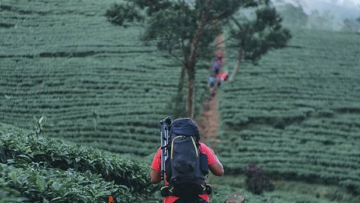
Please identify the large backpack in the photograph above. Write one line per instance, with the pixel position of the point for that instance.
(186, 166)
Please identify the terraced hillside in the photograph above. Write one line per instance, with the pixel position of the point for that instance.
(96, 83)
(297, 114)
(39, 169)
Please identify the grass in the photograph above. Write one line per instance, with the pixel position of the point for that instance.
(296, 114)
(96, 83)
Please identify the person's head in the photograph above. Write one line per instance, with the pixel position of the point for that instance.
(185, 126)
(219, 55)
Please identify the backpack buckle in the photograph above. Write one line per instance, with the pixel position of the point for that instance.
(165, 191)
(208, 189)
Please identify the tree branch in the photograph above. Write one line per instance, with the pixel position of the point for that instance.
(237, 23)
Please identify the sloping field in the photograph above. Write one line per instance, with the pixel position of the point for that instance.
(39, 169)
(96, 83)
(297, 114)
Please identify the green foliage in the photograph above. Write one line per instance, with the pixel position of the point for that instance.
(39, 125)
(256, 37)
(256, 180)
(177, 106)
(26, 149)
(321, 21)
(296, 114)
(37, 184)
(118, 14)
(113, 175)
(293, 15)
(62, 60)
(185, 30)
(222, 192)
(8, 194)
(96, 84)
(171, 24)
(351, 25)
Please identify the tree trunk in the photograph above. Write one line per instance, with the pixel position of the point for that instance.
(191, 63)
(190, 103)
(236, 66)
(181, 80)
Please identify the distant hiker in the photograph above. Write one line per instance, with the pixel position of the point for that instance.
(211, 84)
(187, 158)
(216, 67)
(221, 78)
(217, 64)
(219, 56)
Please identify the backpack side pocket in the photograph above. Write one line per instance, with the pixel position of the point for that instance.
(204, 164)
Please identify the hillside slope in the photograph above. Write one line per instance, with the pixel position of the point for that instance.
(34, 168)
(97, 84)
(297, 114)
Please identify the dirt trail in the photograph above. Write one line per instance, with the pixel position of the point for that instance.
(208, 121)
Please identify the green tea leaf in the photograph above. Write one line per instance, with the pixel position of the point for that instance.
(40, 182)
(56, 186)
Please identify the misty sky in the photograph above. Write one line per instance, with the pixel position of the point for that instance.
(347, 3)
(352, 4)
(340, 9)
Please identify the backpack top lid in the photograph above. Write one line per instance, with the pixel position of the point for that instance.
(185, 126)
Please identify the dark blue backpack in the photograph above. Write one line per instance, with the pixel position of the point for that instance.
(186, 166)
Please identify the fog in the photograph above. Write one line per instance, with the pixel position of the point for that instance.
(340, 9)
(339, 15)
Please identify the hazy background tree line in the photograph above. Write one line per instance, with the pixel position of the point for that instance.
(299, 13)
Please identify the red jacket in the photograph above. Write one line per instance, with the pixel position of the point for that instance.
(156, 165)
(222, 76)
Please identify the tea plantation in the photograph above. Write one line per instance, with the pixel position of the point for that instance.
(39, 169)
(297, 114)
(95, 83)
(98, 87)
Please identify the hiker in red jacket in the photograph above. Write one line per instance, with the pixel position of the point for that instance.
(213, 162)
(221, 78)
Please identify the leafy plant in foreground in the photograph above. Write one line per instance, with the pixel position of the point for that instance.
(21, 150)
(256, 179)
(37, 184)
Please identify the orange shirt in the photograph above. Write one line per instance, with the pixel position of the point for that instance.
(156, 165)
(222, 76)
